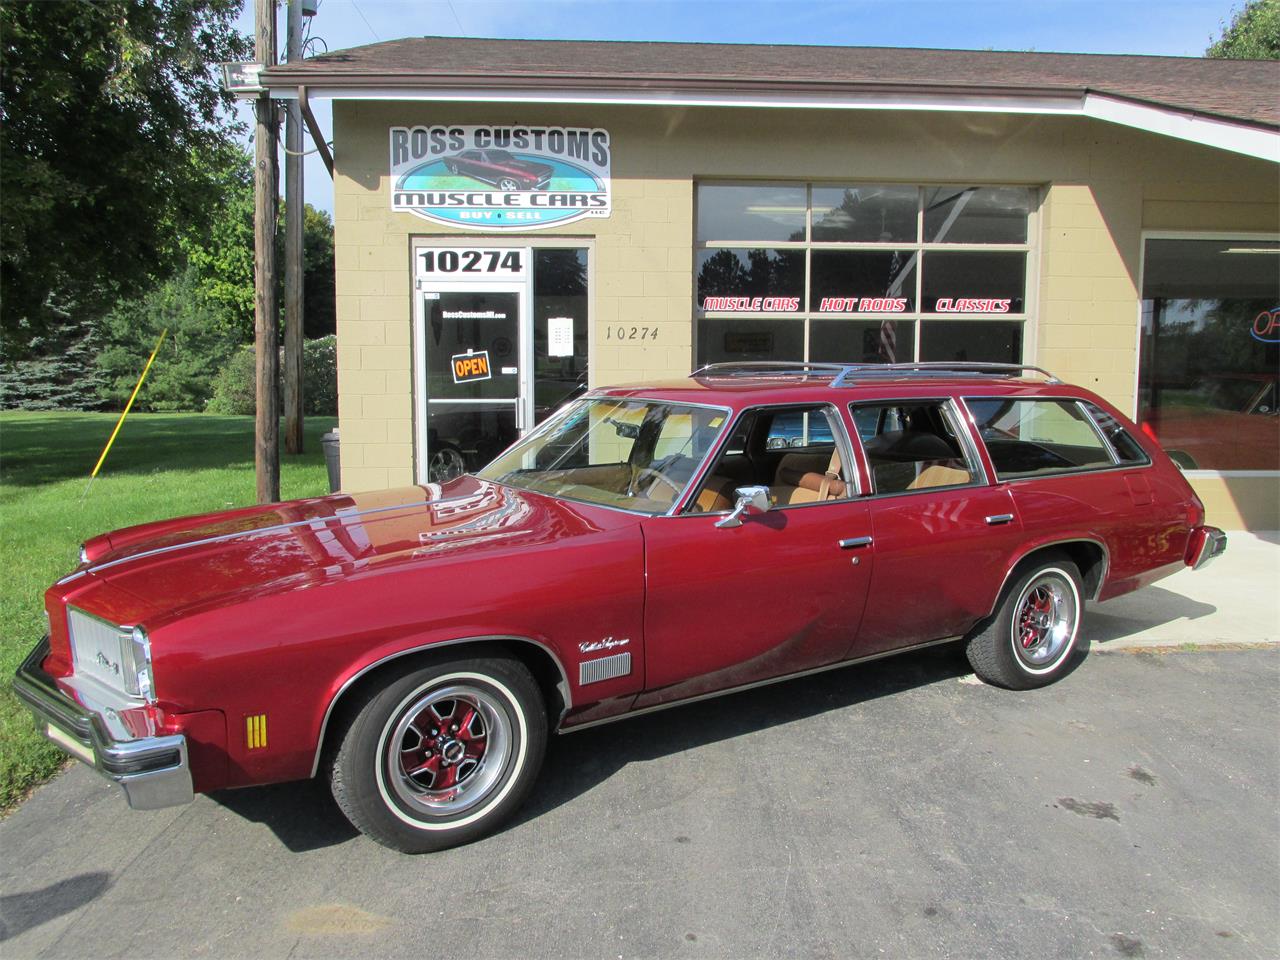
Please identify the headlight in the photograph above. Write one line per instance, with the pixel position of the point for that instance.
(135, 664)
(119, 657)
(84, 554)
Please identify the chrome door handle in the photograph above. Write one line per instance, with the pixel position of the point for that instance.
(998, 518)
(852, 542)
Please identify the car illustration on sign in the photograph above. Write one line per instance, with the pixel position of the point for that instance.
(643, 547)
(500, 168)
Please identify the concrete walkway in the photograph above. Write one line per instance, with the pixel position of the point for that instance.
(1234, 600)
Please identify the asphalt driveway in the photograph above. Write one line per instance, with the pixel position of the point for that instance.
(895, 809)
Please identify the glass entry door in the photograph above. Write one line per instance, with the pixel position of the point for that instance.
(500, 341)
(473, 376)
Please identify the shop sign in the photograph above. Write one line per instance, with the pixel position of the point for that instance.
(751, 304)
(471, 366)
(1266, 326)
(966, 305)
(500, 178)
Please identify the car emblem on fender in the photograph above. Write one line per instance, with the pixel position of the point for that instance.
(608, 643)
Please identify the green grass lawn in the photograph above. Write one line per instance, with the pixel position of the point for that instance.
(162, 465)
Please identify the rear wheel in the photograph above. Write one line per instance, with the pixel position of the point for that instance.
(442, 755)
(1029, 640)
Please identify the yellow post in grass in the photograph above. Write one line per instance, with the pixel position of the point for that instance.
(127, 407)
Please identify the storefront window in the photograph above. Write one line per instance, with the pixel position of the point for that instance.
(862, 341)
(861, 272)
(864, 214)
(976, 214)
(733, 279)
(973, 282)
(966, 341)
(1211, 352)
(559, 308)
(862, 281)
(756, 213)
(722, 339)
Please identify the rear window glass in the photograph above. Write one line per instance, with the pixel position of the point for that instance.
(1028, 438)
(1122, 442)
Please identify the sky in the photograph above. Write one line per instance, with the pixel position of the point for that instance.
(1167, 27)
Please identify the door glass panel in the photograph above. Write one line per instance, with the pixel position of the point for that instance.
(463, 437)
(487, 325)
(559, 328)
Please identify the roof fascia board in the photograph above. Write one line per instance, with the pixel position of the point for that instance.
(1065, 103)
(1197, 128)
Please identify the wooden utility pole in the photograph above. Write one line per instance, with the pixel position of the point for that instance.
(293, 248)
(266, 322)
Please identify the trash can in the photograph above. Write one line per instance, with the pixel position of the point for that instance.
(330, 443)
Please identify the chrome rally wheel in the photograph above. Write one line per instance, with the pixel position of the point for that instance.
(447, 750)
(440, 755)
(1045, 620)
(508, 185)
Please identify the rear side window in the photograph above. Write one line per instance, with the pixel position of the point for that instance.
(1125, 446)
(912, 446)
(1028, 438)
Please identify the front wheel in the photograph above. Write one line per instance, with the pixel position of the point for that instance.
(441, 756)
(1029, 640)
(507, 185)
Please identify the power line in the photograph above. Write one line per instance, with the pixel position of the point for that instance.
(449, 4)
(366, 21)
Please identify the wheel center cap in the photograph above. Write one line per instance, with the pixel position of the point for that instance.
(452, 751)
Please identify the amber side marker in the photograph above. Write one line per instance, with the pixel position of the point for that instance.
(255, 731)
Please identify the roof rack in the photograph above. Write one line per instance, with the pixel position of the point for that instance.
(847, 374)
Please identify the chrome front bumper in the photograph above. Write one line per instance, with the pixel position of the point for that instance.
(153, 772)
(1206, 543)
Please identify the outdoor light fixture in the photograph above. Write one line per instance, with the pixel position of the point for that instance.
(243, 80)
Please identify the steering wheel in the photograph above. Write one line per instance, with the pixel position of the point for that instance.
(645, 474)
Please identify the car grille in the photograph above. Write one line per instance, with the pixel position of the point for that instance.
(95, 649)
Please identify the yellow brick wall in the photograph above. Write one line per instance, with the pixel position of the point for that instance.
(1101, 185)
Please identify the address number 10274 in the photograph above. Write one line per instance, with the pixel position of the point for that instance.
(469, 261)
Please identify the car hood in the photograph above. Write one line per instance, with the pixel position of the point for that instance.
(529, 166)
(183, 566)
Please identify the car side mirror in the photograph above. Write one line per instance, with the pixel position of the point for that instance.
(750, 500)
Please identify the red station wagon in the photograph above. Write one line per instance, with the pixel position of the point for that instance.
(643, 547)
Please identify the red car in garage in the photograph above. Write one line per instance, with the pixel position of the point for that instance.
(643, 547)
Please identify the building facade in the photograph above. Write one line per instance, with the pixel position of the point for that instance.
(505, 240)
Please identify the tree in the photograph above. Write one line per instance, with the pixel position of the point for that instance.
(106, 110)
(200, 341)
(1253, 34)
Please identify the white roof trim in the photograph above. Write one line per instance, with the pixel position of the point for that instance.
(1182, 124)
(1210, 131)
(1067, 103)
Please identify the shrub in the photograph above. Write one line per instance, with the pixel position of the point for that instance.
(234, 388)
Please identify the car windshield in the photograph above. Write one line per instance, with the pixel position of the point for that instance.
(619, 452)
